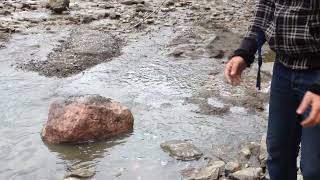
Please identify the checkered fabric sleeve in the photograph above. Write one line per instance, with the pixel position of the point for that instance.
(263, 15)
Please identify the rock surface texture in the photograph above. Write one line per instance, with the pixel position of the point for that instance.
(247, 174)
(58, 6)
(86, 118)
(181, 150)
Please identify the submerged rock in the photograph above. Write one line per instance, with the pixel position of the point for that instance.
(58, 6)
(86, 118)
(79, 173)
(181, 150)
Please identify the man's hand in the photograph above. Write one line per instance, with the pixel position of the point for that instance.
(233, 70)
(310, 100)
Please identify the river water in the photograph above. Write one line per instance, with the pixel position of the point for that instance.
(153, 85)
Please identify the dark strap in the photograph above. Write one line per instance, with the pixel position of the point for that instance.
(260, 42)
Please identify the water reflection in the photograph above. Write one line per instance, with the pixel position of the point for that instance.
(87, 155)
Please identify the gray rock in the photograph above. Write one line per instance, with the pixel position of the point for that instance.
(165, 9)
(170, 3)
(263, 154)
(177, 52)
(80, 173)
(58, 6)
(150, 21)
(181, 150)
(218, 164)
(254, 148)
(245, 153)
(195, 7)
(247, 174)
(114, 15)
(250, 149)
(232, 167)
(205, 173)
(87, 19)
(132, 2)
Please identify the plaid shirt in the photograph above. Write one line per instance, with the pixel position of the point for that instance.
(292, 29)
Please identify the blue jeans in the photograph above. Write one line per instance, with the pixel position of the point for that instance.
(284, 130)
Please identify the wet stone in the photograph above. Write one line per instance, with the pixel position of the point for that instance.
(58, 6)
(170, 3)
(232, 167)
(86, 118)
(181, 150)
(252, 148)
(263, 154)
(114, 15)
(177, 52)
(247, 174)
(205, 173)
(132, 2)
(84, 49)
(80, 173)
(245, 153)
(218, 164)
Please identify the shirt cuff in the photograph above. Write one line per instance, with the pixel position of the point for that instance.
(248, 58)
(315, 88)
(247, 50)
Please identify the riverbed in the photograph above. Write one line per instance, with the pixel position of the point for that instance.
(171, 95)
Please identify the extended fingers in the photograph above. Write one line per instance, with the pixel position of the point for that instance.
(306, 102)
(312, 119)
(313, 101)
(235, 69)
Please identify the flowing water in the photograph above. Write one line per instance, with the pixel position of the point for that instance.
(153, 85)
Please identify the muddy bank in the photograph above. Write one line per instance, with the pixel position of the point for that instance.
(82, 50)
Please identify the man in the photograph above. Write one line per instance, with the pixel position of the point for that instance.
(292, 29)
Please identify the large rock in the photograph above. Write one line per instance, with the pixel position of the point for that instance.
(86, 118)
(58, 6)
(181, 150)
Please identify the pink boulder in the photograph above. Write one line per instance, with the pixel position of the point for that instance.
(86, 118)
